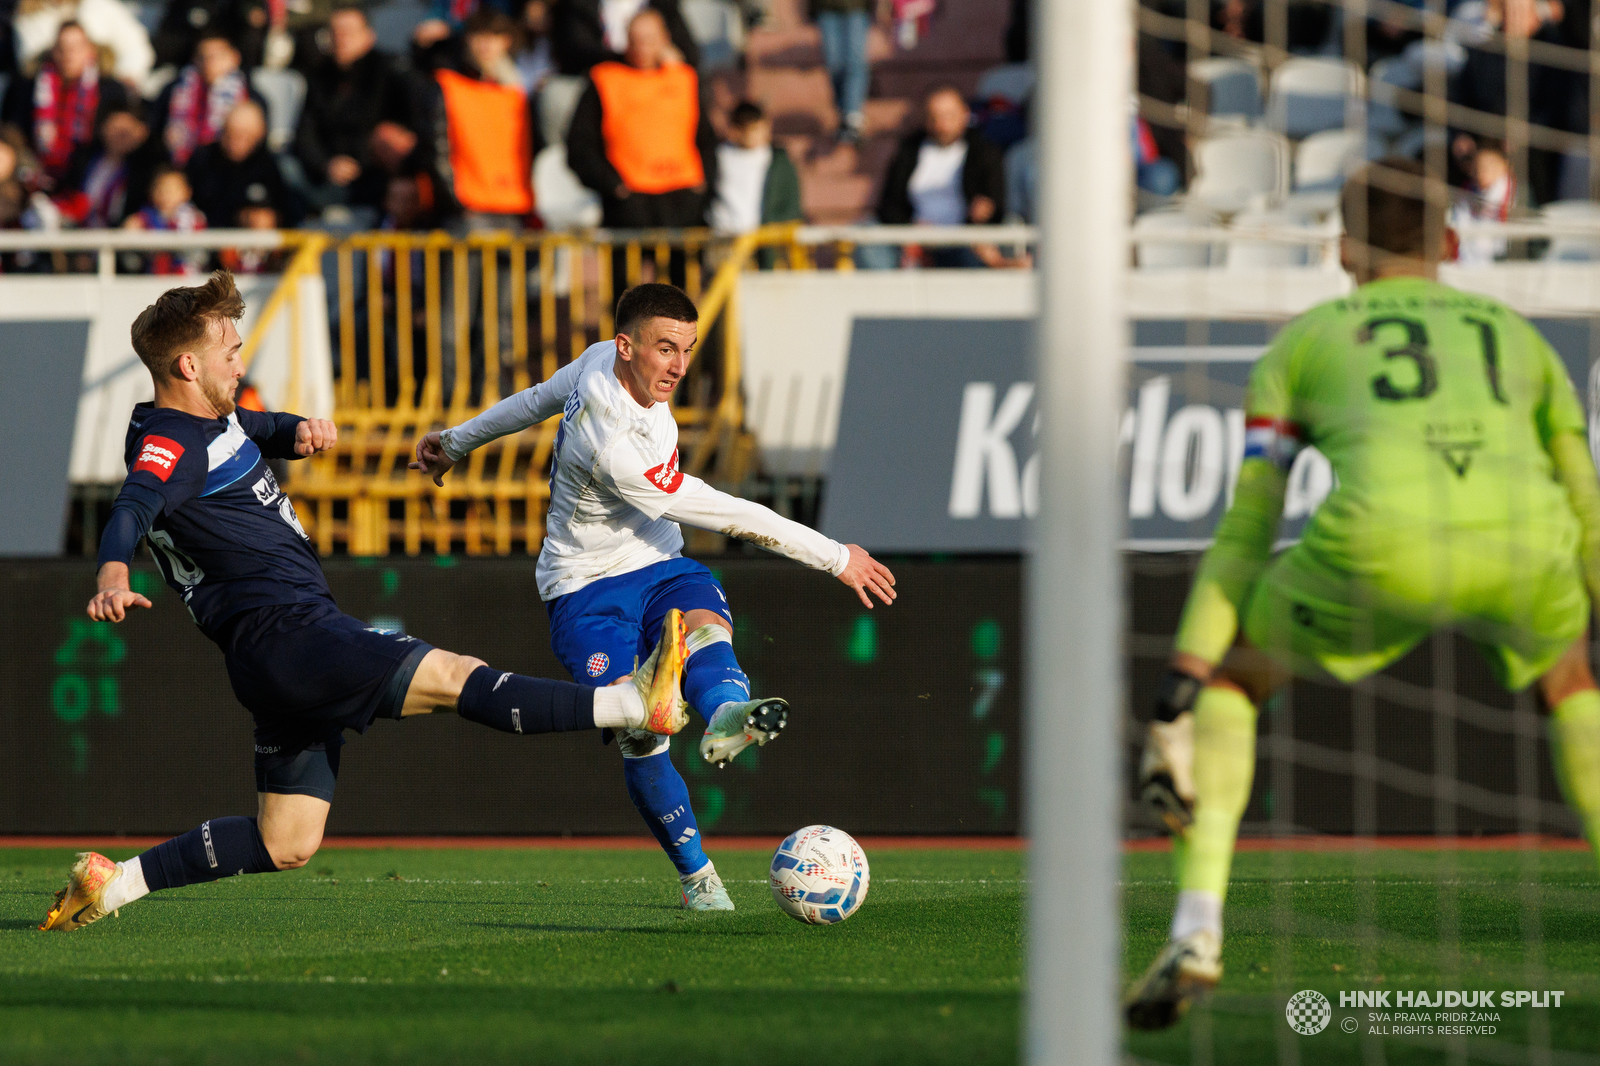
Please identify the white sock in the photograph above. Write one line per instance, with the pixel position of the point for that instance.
(619, 707)
(705, 871)
(125, 889)
(1197, 909)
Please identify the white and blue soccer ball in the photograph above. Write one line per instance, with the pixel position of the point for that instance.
(819, 875)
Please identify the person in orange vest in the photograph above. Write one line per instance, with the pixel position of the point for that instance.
(640, 137)
(485, 129)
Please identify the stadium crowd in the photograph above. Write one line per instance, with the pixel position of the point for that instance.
(509, 114)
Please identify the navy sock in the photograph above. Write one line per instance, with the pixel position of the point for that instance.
(513, 703)
(657, 789)
(220, 848)
(712, 678)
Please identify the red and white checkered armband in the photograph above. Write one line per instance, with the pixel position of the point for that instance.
(1276, 440)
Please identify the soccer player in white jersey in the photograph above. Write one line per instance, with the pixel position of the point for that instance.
(611, 567)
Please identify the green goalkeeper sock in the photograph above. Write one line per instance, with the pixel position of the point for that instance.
(1575, 749)
(1224, 765)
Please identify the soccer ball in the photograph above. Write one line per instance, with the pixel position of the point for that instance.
(819, 875)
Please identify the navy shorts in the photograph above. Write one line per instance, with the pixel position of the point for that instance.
(306, 672)
(598, 631)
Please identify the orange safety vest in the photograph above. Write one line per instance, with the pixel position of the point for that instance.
(648, 120)
(490, 144)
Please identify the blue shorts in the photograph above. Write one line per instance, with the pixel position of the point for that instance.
(306, 672)
(598, 631)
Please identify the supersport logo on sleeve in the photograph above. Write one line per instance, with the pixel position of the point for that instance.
(158, 456)
(666, 477)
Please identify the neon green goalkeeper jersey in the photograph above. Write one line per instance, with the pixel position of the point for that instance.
(1435, 408)
(1447, 419)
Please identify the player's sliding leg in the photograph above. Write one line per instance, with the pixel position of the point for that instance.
(283, 836)
(717, 688)
(1569, 695)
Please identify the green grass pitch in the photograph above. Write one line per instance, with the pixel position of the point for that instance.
(581, 956)
(515, 956)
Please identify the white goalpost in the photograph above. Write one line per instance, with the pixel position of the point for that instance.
(1083, 52)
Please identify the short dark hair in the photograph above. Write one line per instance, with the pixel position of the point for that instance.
(1388, 200)
(180, 318)
(643, 302)
(745, 113)
(486, 20)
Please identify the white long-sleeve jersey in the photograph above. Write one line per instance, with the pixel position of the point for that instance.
(616, 493)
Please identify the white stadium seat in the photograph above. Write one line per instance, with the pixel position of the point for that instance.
(718, 28)
(1247, 254)
(1578, 248)
(1154, 254)
(563, 201)
(558, 99)
(1310, 94)
(1238, 166)
(285, 94)
(1323, 160)
(1230, 86)
(1384, 115)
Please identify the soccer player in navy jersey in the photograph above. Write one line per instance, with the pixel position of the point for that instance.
(226, 538)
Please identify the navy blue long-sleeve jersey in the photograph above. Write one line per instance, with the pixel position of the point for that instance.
(224, 534)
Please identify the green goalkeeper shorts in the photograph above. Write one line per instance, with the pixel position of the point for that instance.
(1317, 617)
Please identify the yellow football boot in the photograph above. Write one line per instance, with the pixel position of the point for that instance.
(78, 904)
(659, 678)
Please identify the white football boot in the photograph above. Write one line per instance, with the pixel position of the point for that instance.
(706, 892)
(1185, 969)
(736, 726)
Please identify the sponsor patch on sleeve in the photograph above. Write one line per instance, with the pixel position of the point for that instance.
(158, 455)
(1277, 440)
(666, 477)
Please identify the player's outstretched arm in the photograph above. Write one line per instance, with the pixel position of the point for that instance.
(111, 603)
(865, 574)
(439, 450)
(431, 458)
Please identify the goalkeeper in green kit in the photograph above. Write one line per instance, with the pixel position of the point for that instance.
(1466, 498)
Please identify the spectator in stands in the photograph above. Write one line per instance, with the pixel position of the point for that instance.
(446, 18)
(639, 136)
(109, 178)
(257, 213)
(170, 209)
(1153, 174)
(1022, 181)
(756, 182)
(586, 32)
(110, 24)
(484, 128)
(60, 108)
(535, 58)
(238, 170)
(348, 94)
(945, 174)
(1491, 195)
(1479, 81)
(844, 25)
(192, 109)
(188, 22)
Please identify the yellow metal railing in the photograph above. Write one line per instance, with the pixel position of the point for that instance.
(428, 330)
